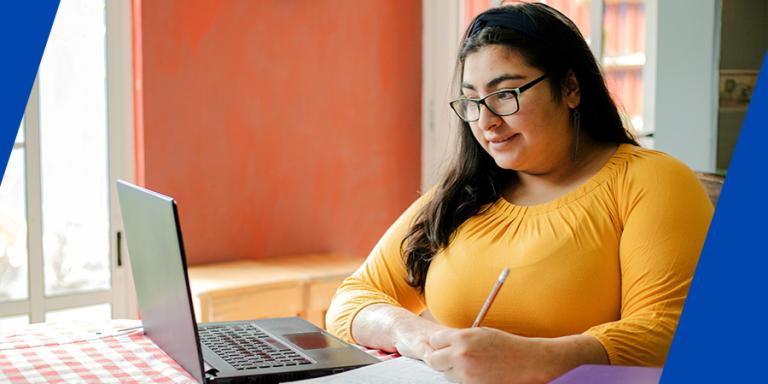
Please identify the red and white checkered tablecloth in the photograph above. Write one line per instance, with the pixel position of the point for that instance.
(86, 352)
(115, 351)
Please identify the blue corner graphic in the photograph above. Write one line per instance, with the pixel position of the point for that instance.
(721, 337)
(24, 29)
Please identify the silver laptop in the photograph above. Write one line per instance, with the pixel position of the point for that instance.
(254, 351)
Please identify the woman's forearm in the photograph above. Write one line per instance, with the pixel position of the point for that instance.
(392, 329)
(569, 352)
(374, 325)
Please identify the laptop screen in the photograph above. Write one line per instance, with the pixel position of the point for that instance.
(156, 251)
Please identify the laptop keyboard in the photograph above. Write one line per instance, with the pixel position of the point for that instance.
(248, 347)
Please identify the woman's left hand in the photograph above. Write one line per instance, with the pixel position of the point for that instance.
(486, 355)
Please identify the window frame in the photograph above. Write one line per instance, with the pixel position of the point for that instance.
(121, 164)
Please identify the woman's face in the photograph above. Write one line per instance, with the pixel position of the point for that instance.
(537, 137)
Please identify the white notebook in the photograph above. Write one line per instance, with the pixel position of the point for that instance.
(399, 370)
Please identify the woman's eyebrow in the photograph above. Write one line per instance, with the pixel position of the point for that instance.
(494, 82)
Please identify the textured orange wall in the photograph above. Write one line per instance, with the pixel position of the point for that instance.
(281, 127)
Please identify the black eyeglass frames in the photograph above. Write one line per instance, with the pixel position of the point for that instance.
(503, 102)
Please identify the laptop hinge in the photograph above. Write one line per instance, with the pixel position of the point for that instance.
(209, 370)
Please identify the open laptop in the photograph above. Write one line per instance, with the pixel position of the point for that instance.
(255, 351)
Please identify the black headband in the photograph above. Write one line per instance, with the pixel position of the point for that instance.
(510, 20)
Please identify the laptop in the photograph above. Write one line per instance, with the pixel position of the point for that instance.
(255, 351)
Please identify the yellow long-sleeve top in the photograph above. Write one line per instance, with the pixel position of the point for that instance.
(613, 259)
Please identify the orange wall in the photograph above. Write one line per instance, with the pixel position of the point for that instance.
(280, 127)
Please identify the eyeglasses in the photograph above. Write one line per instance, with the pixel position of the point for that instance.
(504, 102)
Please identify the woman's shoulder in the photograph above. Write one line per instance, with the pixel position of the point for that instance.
(650, 165)
(652, 175)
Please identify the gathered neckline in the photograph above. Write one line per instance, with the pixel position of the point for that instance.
(619, 157)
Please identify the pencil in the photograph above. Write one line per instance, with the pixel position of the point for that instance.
(491, 297)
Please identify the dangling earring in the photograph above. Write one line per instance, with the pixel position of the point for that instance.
(576, 128)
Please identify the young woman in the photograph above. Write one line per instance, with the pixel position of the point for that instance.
(601, 236)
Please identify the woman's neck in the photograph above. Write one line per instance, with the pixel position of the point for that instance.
(566, 175)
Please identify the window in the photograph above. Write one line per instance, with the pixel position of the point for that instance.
(56, 212)
(624, 57)
(73, 151)
(13, 226)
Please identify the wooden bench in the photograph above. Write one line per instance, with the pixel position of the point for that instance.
(287, 286)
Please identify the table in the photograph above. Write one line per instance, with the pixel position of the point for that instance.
(115, 351)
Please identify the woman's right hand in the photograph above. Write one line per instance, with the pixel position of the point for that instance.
(394, 329)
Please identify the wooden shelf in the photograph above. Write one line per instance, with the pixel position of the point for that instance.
(288, 286)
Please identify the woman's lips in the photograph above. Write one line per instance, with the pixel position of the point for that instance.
(498, 142)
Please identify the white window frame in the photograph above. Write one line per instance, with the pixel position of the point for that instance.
(442, 29)
(121, 144)
(682, 76)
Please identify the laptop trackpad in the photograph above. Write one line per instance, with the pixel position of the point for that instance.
(313, 340)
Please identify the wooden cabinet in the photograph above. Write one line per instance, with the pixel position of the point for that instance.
(288, 286)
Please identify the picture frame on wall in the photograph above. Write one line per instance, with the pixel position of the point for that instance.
(736, 87)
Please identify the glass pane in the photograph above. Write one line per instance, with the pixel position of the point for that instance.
(472, 8)
(579, 11)
(13, 230)
(91, 313)
(20, 135)
(624, 57)
(12, 323)
(73, 145)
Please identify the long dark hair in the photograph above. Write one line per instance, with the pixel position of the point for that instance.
(549, 41)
